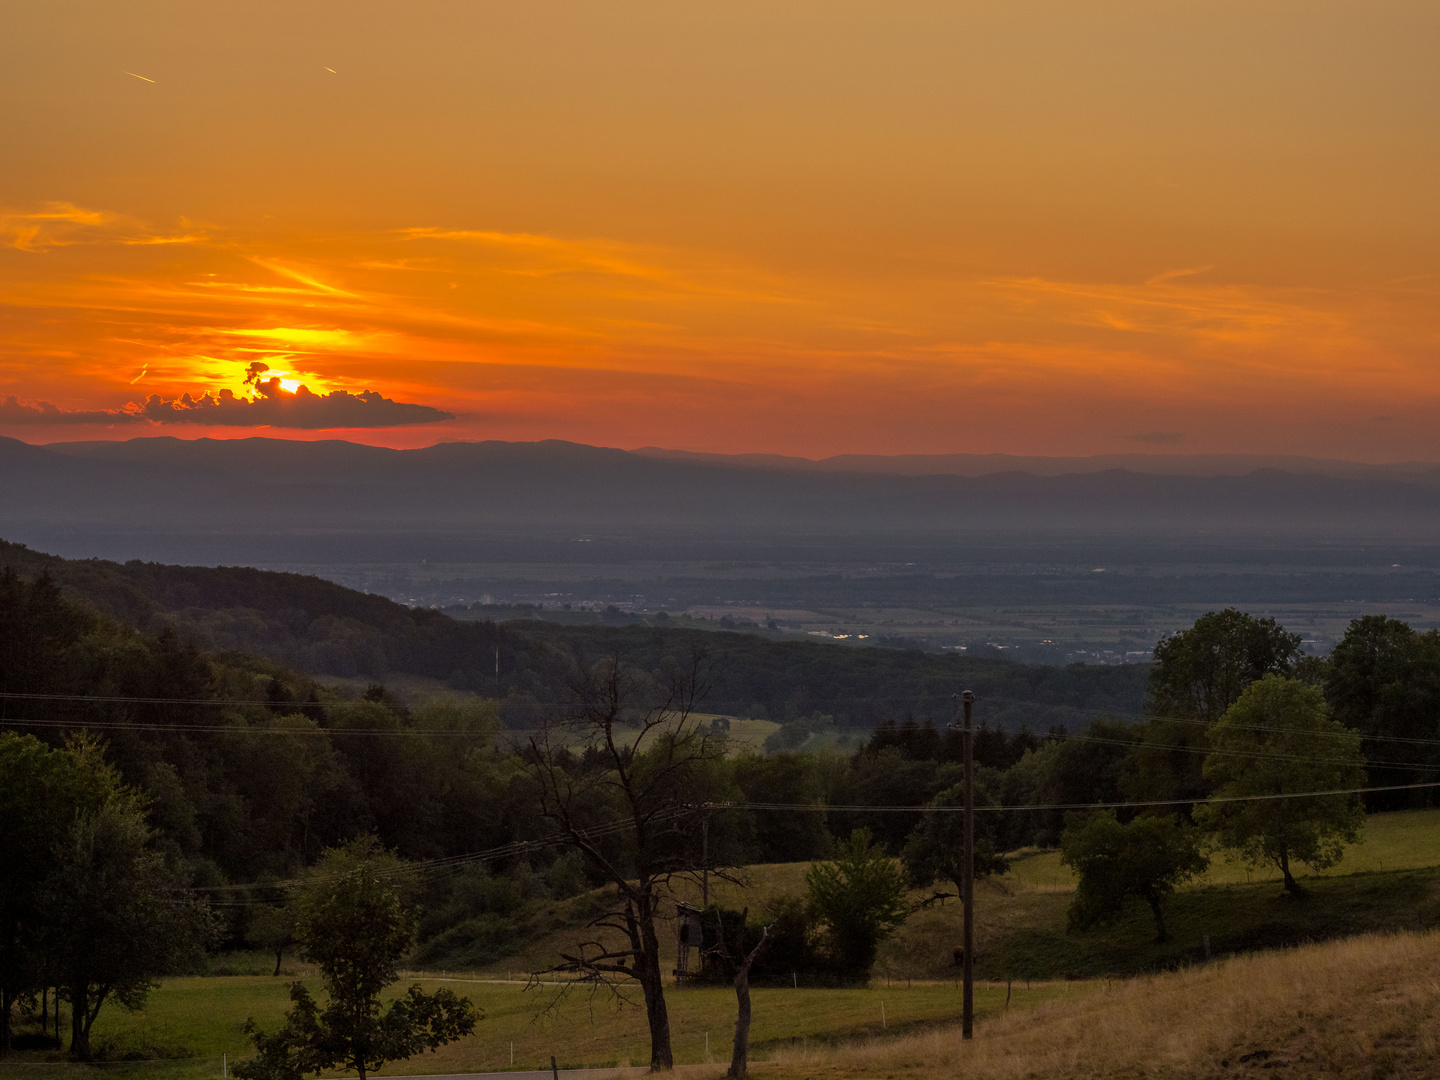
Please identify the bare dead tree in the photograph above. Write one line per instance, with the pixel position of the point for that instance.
(739, 964)
(627, 800)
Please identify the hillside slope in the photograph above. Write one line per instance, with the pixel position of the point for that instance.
(1364, 1007)
(1389, 882)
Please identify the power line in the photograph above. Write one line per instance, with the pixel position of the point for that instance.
(514, 847)
(241, 731)
(1255, 754)
(1194, 722)
(244, 732)
(553, 707)
(463, 733)
(612, 828)
(123, 699)
(927, 809)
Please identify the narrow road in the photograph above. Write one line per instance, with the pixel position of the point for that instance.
(714, 1069)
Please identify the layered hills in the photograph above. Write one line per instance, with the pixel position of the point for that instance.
(265, 487)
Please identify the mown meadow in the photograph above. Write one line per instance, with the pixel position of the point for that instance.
(196, 1022)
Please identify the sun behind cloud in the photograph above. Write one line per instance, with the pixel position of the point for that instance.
(850, 227)
(529, 336)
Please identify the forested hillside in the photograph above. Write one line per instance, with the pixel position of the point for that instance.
(323, 629)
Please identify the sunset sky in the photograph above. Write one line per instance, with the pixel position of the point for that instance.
(782, 226)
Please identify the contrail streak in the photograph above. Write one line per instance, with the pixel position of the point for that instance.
(141, 77)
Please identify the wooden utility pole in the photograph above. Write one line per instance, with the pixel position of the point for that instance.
(967, 870)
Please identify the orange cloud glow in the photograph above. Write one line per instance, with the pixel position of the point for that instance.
(802, 228)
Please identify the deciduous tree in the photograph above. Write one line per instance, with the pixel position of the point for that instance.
(732, 957)
(272, 928)
(1146, 858)
(860, 897)
(353, 924)
(1383, 680)
(1271, 747)
(1202, 671)
(116, 915)
(936, 848)
(42, 792)
(630, 803)
(1197, 675)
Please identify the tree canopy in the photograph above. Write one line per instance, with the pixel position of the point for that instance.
(42, 792)
(1200, 672)
(352, 922)
(1383, 680)
(1197, 675)
(860, 899)
(117, 915)
(936, 846)
(1275, 745)
(1146, 859)
(88, 904)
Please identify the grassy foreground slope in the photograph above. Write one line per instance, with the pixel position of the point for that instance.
(1363, 1007)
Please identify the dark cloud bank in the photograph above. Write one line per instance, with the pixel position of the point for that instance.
(272, 407)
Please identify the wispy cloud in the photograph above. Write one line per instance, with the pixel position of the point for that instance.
(525, 325)
(306, 277)
(63, 224)
(53, 225)
(1168, 305)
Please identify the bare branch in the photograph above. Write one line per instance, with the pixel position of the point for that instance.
(940, 896)
(640, 747)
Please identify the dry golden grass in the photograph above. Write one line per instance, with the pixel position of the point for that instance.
(1363, 1007)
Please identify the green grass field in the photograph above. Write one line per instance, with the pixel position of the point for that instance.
(1383, 883)
(745, 734)
(203, 1019)
(1407, 840)
(1388, 882)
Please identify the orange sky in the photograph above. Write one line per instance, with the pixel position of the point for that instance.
(803, 227)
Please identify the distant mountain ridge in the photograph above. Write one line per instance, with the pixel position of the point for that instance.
(269, 487)
(339, 454)
(975, 465)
